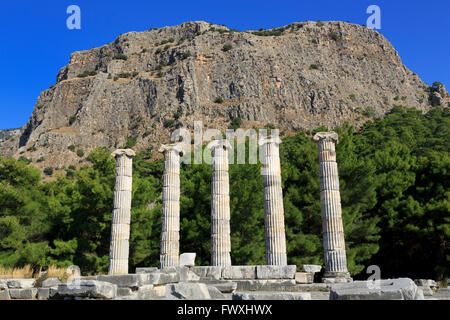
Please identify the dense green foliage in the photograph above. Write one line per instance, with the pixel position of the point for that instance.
(394, 178)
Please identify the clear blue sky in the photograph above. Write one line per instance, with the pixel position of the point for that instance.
(36, 43)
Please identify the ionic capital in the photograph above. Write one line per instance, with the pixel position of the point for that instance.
(120, 152)
(177, 147)
(269, 139)
(327, 136)
(221, 143)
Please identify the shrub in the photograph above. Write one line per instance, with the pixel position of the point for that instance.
(124, 75)
(72, 119)
(185, 55)
(314, 67)
(23, 159)
(436, 85)
(236, 123)
(121, 57)
(369, 112)
(87, 73)
(273, 32)
(80, 153)
(48, 171)
(227, 47)
(269, 128)
(334, 36)
(146, 134)
(169, 123)
(178, 114)
(218, 100)
(131, 142)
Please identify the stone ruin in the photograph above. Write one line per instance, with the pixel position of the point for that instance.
(179, 278)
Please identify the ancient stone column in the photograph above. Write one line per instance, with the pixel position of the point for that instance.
(333, 231)
(220, 204)
(273, 202)
(170, 222)
(120, 228)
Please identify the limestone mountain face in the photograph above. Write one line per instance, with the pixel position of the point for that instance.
(136, 87)
(8, 133)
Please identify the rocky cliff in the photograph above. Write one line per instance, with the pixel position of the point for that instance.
(145, 84)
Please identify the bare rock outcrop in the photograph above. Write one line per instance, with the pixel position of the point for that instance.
(145, 84)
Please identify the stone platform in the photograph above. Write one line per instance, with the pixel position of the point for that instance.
(205, 283)
(208, 273)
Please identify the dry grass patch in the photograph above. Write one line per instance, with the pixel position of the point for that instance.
(69, 130)
(28, 272)
(17, 273)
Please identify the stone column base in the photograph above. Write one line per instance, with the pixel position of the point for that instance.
(336, 277)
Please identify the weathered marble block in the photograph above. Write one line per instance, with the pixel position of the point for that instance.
(304, 277)
(20, 283)
(271, 296)
(50, 282)
(276, 272)
(187, 291)
(224, 286)
(208, 272)
(311, 268)
(28, 293)
(126, 280)
(88, 288)
(265, 285)
(187, 259)
(146, 270)
(239, 272)
(391, 289)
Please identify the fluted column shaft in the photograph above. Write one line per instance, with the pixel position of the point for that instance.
(170, 221)
(333, 231)
(220, 204)
(120, 228)
(273, 202)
